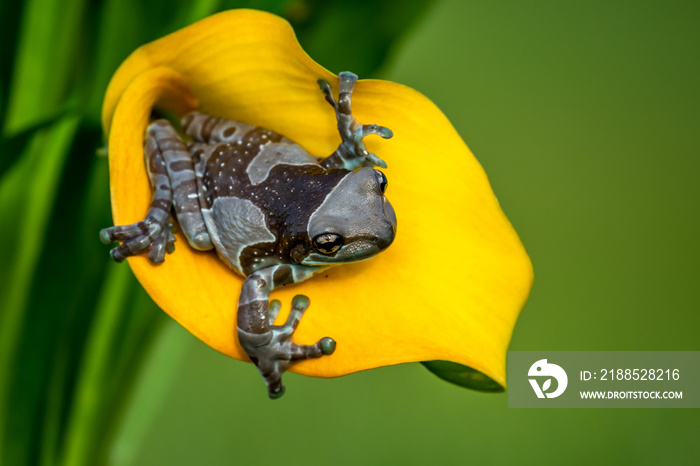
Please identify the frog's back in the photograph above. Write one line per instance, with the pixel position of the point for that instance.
(256, 189)
(246, 151)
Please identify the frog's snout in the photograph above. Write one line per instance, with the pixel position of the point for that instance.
(389, 214)
(385, 237)
(382, 242)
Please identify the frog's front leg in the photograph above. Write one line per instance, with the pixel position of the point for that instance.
(351, 153)
(270, 346)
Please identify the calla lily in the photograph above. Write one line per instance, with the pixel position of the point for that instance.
(451, 286)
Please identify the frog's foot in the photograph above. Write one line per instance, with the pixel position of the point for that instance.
(149, 235)
(273, 352)
(351, 153)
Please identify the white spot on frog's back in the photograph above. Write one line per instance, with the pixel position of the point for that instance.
(275, 154)
(234, 224)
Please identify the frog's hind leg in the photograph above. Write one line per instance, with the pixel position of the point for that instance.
(172, 179)
(351, 153)
(212, 130)
(270, 346)
(151, 234)
(186, 198)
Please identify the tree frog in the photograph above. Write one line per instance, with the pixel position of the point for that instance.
(274, 213)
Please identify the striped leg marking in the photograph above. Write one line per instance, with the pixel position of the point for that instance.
(270, 346)
(153, 234)
(211, 130)
(351, 153)
(172, 176)
(178, 163)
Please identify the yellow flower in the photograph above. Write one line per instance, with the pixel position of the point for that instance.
(449, 288)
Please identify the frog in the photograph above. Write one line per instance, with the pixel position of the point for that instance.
(274, 214)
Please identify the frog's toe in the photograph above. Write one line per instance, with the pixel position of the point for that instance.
(104, 236)
(274, 310)
(300, 303)
(139, 237)
(121, 232)
(279, 352)
(171, 243)
(323, 347)
(280, 356)
(164, 242)
(327, 345)
(276, 390)
(352, 152)
(271, 371)
(129, 248)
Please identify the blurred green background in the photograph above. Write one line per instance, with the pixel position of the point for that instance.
(585, 117)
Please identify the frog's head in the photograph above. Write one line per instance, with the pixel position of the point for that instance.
(354, 222)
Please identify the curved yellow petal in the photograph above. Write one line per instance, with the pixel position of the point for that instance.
(449, 288)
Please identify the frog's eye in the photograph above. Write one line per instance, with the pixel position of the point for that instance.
(328, 243)
(381, 179)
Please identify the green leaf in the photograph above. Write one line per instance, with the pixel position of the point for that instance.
(463, 376)
(11, 148)
(153, 382)
(45, 68)
(124, 25)
(28, 192)
(82, 430)
(10, 14)
(356, 36)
